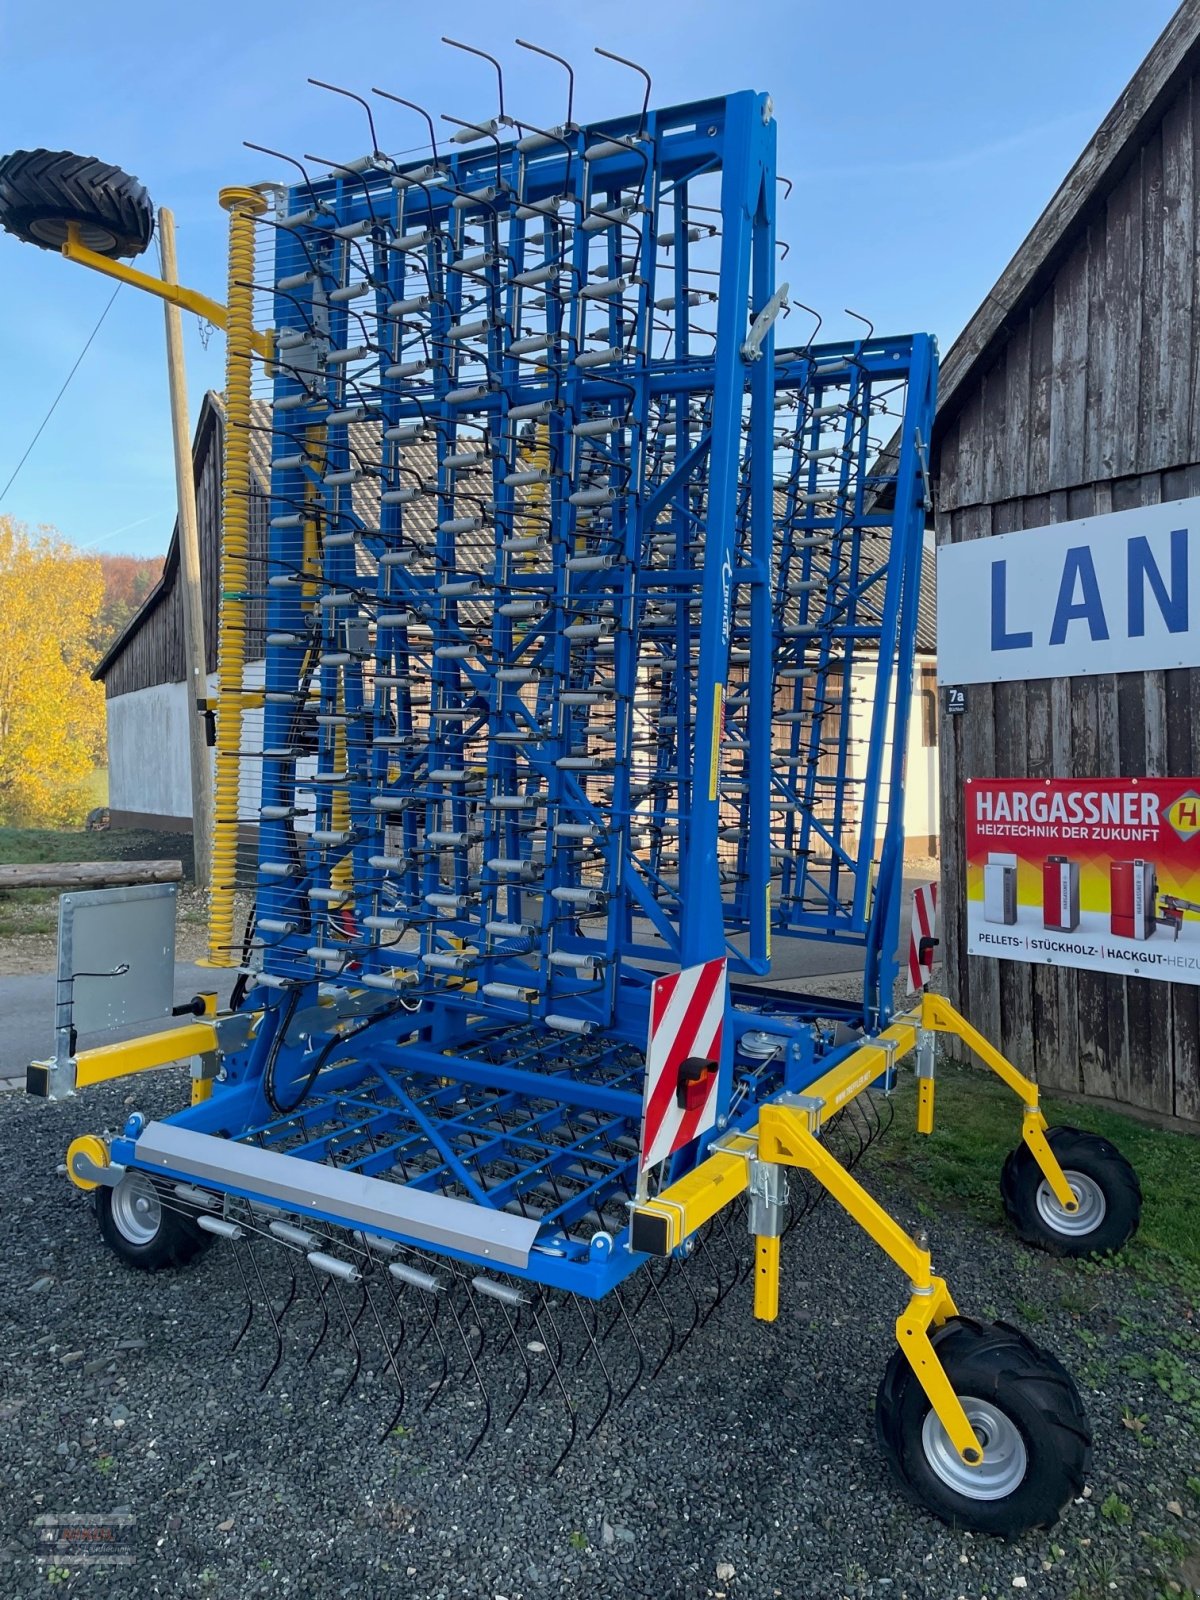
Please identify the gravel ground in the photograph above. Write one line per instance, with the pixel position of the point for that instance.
(747, 1469)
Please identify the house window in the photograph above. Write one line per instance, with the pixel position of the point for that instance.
(927, 690)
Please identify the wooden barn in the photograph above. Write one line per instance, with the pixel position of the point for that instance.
(147, 702)
(1074, 392)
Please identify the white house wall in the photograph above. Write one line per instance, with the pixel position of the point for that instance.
(149, 758)
(149, 767)
(921, 801)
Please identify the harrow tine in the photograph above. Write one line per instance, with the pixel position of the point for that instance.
(538, 1305)
(670, 1321)
(708, 1253)
(850, 1130)
(472, 1365)
(397, 1308)
(245, 1328)
(886, 1122)
(870, 1111)
(389, 1353)
(652, 1288)
(351, 1327)
(392, 1349)
(856, 1129)
(339, 1272)
(548, 1308)
(274, 1367)
(320, 1288)
(293, 1292)
(746, 1261)
(430, 1286)
(803, 1202)
(362, 1305)
(506, 1297)
(727, 1241)
(623, 1314)
(590, 1335)
(686, 1281)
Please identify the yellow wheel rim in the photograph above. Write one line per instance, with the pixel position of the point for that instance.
(95, 1149)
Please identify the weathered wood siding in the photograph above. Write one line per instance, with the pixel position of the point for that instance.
(153, 652)
(1092, 405)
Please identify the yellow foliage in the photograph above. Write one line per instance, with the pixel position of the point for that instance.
(51, 713)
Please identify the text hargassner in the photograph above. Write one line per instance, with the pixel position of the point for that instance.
(1130, 808)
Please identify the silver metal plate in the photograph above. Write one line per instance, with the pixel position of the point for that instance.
(305, 1187)
(116, 956)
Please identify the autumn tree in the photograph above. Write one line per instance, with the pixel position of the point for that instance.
(51, 714)
(127, 582)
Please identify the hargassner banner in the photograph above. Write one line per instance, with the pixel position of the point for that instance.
(1101, 873)
(1119, 593)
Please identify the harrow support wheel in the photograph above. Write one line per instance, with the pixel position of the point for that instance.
(1026, 1413)
(1104, 1184)
(145, 1227)
(42, 192)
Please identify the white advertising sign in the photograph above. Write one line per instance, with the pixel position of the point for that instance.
(1118, 593)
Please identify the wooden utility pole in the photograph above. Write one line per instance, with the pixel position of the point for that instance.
(195, 665)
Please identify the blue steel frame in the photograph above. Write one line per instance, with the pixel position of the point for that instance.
(697, 565)
(434, 775)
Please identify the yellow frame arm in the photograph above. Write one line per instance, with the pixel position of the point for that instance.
(788, 1135)
(784, 1137)
(940, 1016)
(178, 295)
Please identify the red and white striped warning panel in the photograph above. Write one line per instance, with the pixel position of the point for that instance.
(923, 936)
(687, 1016)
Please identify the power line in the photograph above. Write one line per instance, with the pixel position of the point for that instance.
(60, 394)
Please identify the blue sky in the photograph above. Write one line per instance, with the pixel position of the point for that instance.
(923, 140)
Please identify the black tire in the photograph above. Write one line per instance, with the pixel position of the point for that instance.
(1041, 1442)
(163, 1234)
(1105, 1184)
(41, 191)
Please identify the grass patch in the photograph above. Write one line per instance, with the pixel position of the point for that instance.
(979, 1122)
(109, 844)
(28, 911)
(66, 844)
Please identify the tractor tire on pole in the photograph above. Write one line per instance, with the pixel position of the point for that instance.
(43, 191)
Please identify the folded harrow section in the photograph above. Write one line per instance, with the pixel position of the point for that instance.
(502, 556)
(849, 510)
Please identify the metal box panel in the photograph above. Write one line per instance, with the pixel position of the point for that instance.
(116, 956)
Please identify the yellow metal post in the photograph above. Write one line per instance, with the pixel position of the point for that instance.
(243, 206)
(925, 1099)
(766, 1278)
(1033, 1131)
(204, 1066)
